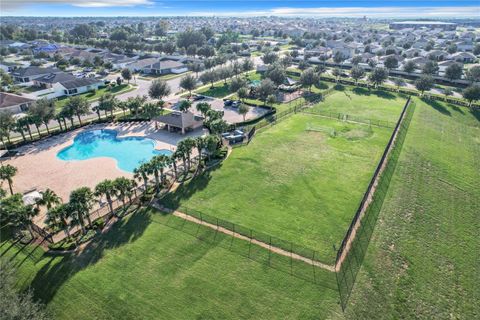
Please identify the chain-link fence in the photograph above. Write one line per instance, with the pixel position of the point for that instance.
(355, 243)
(270, 251)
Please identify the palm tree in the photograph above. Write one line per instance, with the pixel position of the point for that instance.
(106, 188)
(141, 173)
(79, 106)
(124, 187)
(161, 162)
(153, 169)
(57, 217)
(7, 172)
(17, 213)
(173, 160)
(81, 201)
(187, 145)
(49, 199)
(200, 144)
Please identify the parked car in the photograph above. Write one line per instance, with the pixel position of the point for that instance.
(227, 102)
(198, 97)
(236, 103)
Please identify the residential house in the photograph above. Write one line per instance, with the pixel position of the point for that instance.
(24, 75)
(14, 103)
(165, 67)
(464, 57)
(65, 84)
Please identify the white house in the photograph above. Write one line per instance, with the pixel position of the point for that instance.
(64, 84)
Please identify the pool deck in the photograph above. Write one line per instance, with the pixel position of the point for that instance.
(39, 168)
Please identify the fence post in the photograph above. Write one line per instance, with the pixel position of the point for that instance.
(216, 232)
(291, 258)
(250, 243)
(270, 250)
(233, 235)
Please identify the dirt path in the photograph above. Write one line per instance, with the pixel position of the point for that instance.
(264, 245)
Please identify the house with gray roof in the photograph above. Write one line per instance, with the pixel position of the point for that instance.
(14, 103)
(165, 67)
(24, 75)
(65, 84)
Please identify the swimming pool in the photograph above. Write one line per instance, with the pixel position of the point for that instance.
(129, 152)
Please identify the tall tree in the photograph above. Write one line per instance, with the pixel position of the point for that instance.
(309, 78)
(472, 93)
(49, 199)
(106, 188)
(159, 89)
(378, 76)
(424, 83)
(266, 88)
(79, 106)
(454, 71)
(81, 202)
(185, 105)
(188, 83)
(357, 73)
(7, 172)
(409, 66)
(243, 110)
(126, 74)
(142, 172)
(123, 187)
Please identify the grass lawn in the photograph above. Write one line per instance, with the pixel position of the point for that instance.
(143, 269)
(94, 95)
(162, 77)
(423, 260)
(360, 102)
(296, 185)
(219, 90)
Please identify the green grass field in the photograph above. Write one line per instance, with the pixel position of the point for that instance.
(360, 102)
(219, 90)
(143, 269)
(423, 261)
(296, 185)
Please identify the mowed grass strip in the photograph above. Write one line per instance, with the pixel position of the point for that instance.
(144, 269)
(423, 261)
(360, 102)
(296, 185)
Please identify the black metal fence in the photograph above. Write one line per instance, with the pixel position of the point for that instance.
(354, 245)
(309, 269)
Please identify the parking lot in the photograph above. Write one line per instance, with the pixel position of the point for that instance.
(231, 114)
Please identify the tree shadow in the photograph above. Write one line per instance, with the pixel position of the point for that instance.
(361, 91)
(384, 94)
(437, 106)
(321, 85)
(457, 109)
(476, 113)
(174, 199)
(59, 268)
(339, 87)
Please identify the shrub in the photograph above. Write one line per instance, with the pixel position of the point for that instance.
(66, 244)
(98, 224)
(87, 236)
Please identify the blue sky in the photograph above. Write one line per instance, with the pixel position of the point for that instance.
(352, 8)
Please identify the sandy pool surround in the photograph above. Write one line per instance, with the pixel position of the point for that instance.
(40, 168)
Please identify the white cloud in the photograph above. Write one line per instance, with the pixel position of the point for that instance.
(355, 12)
(12, 4)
